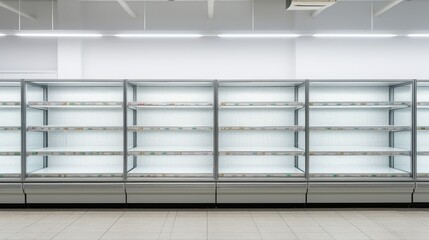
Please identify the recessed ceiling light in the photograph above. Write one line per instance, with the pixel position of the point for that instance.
(255, 35)
(171, 35)
(71, 35)
(352, 35)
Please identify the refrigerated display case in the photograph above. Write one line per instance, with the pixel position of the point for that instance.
(261, 142)
(10, 143)
(421, 193)
(170, 143)
(74, 142)
(360, 141)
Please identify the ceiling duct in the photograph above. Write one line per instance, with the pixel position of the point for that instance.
(311, 5)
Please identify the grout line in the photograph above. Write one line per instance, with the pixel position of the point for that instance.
(254, 222)
(68, 225)
(353, 225)
(163, 225)
(385, 227)
(174, 222)
(27, 226)
(296, 236)
(321, 225)
(123, 212)
(207, 224)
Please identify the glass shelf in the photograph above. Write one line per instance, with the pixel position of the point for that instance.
(356, 171)
(288, 151)
(77, 104)
(363, 128)
(10, 172)
(10, 151)
(423, 128)
(10, 128)
(261, 105)
(389, 105)
(176, 171)
(262, 128)
(72, 128)
(423, 104)
(266, 171)
(170, 104)
(169, 128)
(358, 151)
(84, 151)
(423, 150)
(78, 171)
(186, 150)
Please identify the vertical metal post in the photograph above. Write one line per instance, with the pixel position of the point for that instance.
(125, 130)
(307, 129)
(391, 123)
(134, 123)
(296, 122)
(414, 130)
(45, 123)
(215, 130)
(23, 129)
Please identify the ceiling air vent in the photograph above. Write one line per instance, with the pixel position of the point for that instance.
(312, 5)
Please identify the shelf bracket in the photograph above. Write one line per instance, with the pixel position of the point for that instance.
(17, 11)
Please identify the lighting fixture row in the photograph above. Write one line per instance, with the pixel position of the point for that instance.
(185, 35)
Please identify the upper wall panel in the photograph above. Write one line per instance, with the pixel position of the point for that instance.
(408, 15)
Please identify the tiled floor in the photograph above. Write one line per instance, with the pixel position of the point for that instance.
(186, 224)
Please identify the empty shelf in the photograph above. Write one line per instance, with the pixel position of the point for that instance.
(360, 104)
(10, 104)
(292, 151)
(262, 128)
(72, 128)
(10, 151)
(169, 171)
(358, 151)
(423, 171)
(170, 151)
(170, 104)
(10, 128)
(423, 128)
(423, 104)
(356, 171)
(364, 128)
(261, 104)
(100, 104)
(249, 171)
(79, 171)
(423, 150)
(10, 171)
(170, 128)
(66, 151)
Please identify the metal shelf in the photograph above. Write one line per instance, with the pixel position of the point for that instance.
(363, 128)
(72, 128)
(79, 171)
(70, 151)
(358, 151)
(136, 105)
(141, 151)
(10, 104)
(389, 105)
(356, 171)
(275, 151)
(169, 128)
(10, 151)
(262, 128)
(10, 128)
(266, 171)
(74, 104)
(174, 172)
(261, 105)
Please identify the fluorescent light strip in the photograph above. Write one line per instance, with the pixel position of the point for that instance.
(354, 35)
(418, 35)
(71, 35)
(2, 34)
(258, 35)
(159, 35)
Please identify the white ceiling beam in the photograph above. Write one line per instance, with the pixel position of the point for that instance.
(387, 7)
(127, 8)
(17, 11)
(210, 6)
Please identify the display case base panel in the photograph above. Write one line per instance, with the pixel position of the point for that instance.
(74, 193)
(171, 192)
(261, 192)
(360, 192)
(11, 193)
(421, 193)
